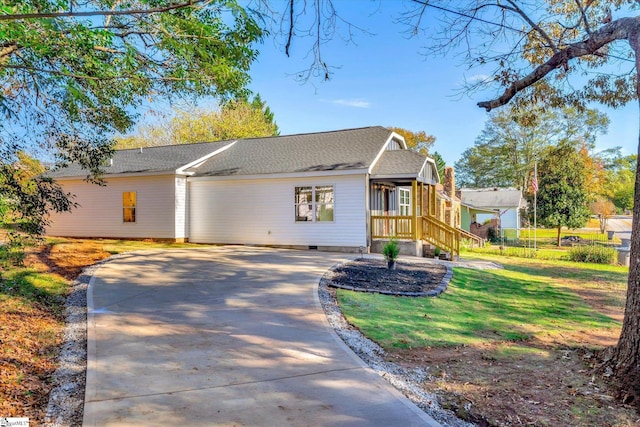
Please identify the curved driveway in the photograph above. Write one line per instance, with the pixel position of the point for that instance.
(231, 336)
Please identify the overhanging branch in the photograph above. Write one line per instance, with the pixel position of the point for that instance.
(15, 17)
(619, 29)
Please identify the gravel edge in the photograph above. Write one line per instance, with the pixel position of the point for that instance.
(66, 400)
(406, 380)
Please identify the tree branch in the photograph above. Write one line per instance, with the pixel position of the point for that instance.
(583, 15)
(290, 36)
(7, 50)
(533, 25)
(14, 17)
(619, 29)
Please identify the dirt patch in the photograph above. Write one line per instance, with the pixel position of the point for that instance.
(511, 384)
(373, 275)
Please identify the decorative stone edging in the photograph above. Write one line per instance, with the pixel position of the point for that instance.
(432, 293)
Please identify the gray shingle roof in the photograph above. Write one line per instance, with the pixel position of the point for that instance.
(349, 149)
(313, 152)
(151, 159)
(399, 162)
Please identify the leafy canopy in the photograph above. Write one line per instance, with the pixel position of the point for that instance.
(504, 153)
(418, 141)
(562, 199)
(235, 120)
(73, 73)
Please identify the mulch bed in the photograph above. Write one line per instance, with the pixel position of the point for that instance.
(408, 279)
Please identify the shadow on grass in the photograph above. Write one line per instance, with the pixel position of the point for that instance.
(35, 287)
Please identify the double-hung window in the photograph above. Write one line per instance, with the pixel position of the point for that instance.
(314, 203)
(405, 202)
(129, 206)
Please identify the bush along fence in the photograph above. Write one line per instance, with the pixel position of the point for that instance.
(579, 247)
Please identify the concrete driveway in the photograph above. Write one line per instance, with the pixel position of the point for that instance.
(621, 224)
(230, 336)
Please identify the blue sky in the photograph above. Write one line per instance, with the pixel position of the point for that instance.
(384, 79)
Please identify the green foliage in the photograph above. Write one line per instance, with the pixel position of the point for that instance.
(12, 253)
(440, 163)
(68, 83)
(594, 254)
(26, 199)
(391, 250)
(562, 199)
(504, 153)
(620, 176)
(235, 120)
(492, 235)
(418, 141)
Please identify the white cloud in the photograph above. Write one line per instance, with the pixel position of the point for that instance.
(479, 78)
(357, 103)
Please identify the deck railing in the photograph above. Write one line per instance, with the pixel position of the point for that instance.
(475, 240)
(441, 234)
(384, 227)
(432, 230)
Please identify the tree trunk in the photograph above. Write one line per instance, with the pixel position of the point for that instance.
(626, 355)
(625, 362)
(559, 232)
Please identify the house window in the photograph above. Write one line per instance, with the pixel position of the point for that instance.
(405, 202)
(129, 206)
(314, 203)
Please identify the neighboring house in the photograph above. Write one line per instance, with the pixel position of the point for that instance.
(339, 190)
(502, 204)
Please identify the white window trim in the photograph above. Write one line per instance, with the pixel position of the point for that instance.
(134, 207)
(400, 204)
(314, 204)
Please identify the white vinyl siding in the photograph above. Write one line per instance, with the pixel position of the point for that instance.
(262, 212)
(181, 197)
(100, 211)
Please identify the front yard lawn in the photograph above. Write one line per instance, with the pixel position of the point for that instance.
(508, 346)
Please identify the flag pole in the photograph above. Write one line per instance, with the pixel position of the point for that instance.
(535, 207)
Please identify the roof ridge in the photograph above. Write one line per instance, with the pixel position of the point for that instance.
(326, 132)
(173, 145)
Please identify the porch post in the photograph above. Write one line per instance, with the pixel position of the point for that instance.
(417, 233)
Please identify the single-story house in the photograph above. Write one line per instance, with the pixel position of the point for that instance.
(339, 190)
(482, 204)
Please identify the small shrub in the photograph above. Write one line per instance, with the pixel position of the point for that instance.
(391, 250)
(437, 251)
(492, 235)
(594, 254)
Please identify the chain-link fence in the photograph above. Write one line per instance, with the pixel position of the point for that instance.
(525, 242)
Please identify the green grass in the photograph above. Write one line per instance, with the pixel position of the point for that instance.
(33, 287)
(526, 299)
